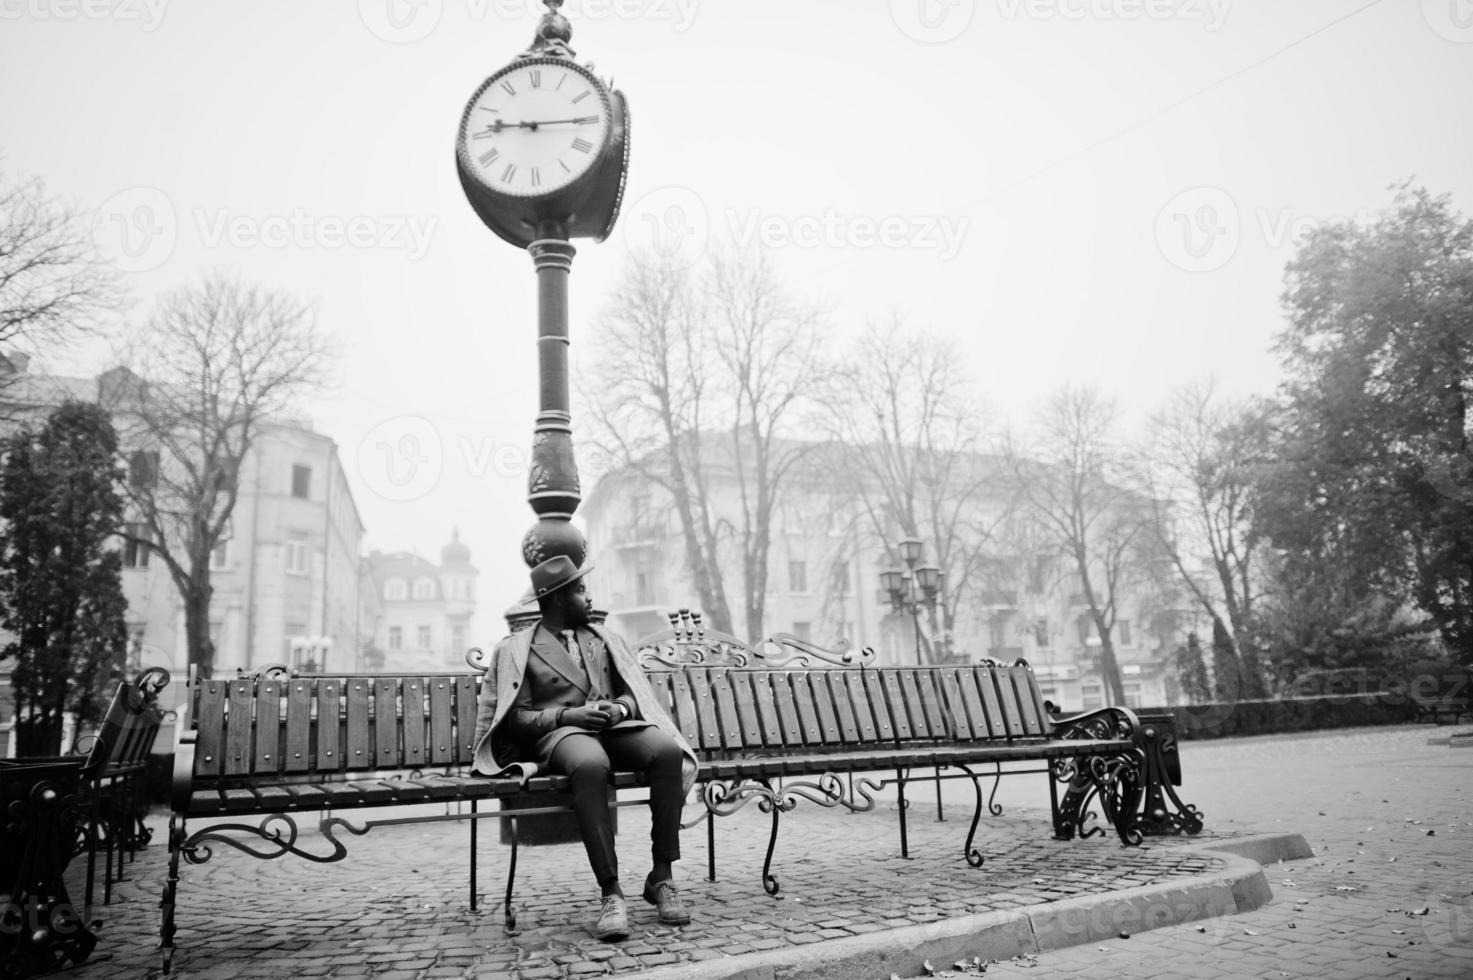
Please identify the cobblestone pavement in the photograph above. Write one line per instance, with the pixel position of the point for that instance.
(1389, 893)
(397, 907)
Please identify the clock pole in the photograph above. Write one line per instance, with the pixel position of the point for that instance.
(552, 481)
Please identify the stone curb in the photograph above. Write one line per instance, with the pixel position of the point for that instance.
(1239, 886)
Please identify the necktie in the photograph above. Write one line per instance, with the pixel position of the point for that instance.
(571, 639)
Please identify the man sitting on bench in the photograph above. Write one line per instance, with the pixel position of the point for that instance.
(567, 695)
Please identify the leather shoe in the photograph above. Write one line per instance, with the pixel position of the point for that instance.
(613, 921)
(663, 896)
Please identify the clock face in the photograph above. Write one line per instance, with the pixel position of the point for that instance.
(535, 127)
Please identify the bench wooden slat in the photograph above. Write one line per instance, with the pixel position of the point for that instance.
(805, 701)
(412, 731)
(1028, 709)
(683, 707)
(954, 710)
(789, 725)
(705, 697)
(726, 709)
(765, 701)
(888, 693)
(1000, 713)
(971, 702)
(925, 719)
(385, 696)
(442, 721)
(209, 721)
(843, 709)
(746, 705)
(466, 697)
(869, 711)
(268, 727)
(357, 748)
(297, 749)
(329, 726)
(238, 749)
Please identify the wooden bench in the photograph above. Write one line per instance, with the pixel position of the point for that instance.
(769, 726)
(1455, 707)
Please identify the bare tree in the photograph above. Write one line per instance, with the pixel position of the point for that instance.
(1197, 469)
(1067, 481)
(53, 284)
(912, 436)
(214, 363)
(697, 383)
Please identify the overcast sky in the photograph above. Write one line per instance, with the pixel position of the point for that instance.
(1096, 191)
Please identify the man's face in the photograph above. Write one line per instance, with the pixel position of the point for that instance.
(577, 604)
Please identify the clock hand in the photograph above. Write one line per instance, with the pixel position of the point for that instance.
(500, 124)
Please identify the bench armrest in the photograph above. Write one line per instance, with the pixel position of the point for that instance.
(1100, 723)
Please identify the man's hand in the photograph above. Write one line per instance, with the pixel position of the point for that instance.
(594, 717)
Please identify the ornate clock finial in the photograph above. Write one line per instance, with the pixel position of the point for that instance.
(553, 34)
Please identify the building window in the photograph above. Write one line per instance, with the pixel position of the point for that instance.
(143, 469)
(1093, 699)
(997, 632)
(803, 631)
(839, 577)
(1041, 634)
(644, 589)
(457, 639)
(135, 553)
(220, 556)
(395, 588)
(296, 554)
(424, 588)
(1132, 695)
(797, 576)
(301, 481)
(1122, 630)
(424, 637)
(396, 637)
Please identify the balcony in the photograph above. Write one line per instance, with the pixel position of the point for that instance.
(639, 534)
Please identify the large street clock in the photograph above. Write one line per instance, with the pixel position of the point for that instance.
(544, 144)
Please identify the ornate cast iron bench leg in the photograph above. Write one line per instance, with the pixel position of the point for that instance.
(974, 856)
(509, 919)
(1164, 812)
(902, 805)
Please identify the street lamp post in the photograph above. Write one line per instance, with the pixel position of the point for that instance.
(916, 586)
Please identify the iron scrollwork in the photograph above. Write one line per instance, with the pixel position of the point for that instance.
(785, 649)
(278, 830)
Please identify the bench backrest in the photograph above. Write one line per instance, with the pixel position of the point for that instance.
(728, 709)
(316, 725)
(130, 726)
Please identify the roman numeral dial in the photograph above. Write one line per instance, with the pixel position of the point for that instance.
(535, 127)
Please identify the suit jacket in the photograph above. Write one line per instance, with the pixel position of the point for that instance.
(532, 676)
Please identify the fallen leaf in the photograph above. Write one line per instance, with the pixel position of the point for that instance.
(1290, 882)
(1125, 935)
(1293, 926)
(1249, 932)
(1201, 928)
(1391, 860)
(1398, 932)
(1431, 833)
(1345, 888)
(1421, 911)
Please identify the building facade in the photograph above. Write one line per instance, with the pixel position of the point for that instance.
(823, 585)
(417, 615)
(285, 577)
